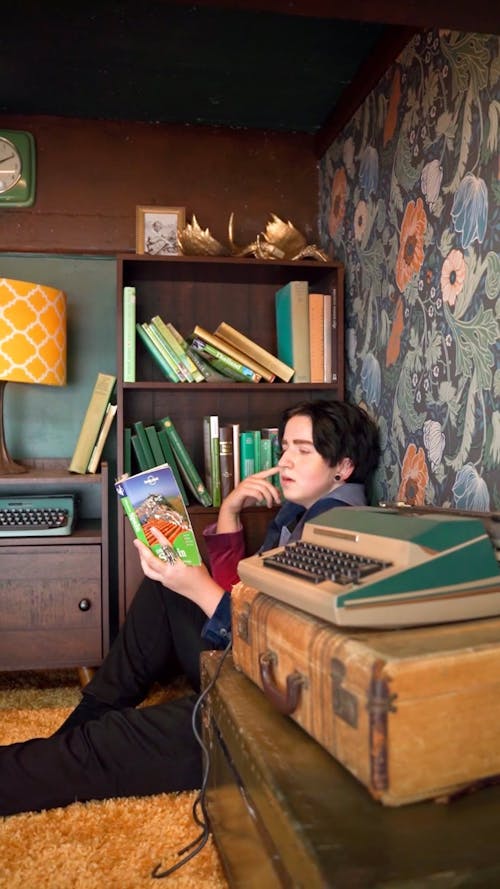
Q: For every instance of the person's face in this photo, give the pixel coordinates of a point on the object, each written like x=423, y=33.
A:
x=305, y=475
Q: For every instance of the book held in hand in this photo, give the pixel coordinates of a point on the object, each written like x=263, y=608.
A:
x=152, y=499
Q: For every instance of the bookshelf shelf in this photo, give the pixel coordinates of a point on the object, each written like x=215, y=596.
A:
x=191, y=290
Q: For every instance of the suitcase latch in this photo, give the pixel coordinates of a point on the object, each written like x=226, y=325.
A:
x=345, y=704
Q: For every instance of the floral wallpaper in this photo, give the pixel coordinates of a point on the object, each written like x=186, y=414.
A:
x=410, y=202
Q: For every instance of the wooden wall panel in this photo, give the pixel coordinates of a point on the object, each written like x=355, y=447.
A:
x=92, y=174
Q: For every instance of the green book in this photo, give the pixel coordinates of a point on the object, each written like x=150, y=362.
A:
x=247, y=454
x=129, y=296
x=168, y=455
x=164, y=350
x=140, y=431
x=193, y=367
x=173, y=344
x=223, y=363
x=211, y=455
x=292, y=328
x=127, y=450
x=207, y=370
x=154, y=444
x=156, y=354
x=186, y=465
x=141, y=461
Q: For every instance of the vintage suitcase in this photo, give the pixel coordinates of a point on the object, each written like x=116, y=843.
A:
x=284, y=813
x=412, y=713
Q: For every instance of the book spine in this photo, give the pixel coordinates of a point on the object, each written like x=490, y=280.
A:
x=140, y=459
x=140, y=431
x=174, y=347
x=129, y=311
x=328, y=335
x=207, y=370
x=266, y=359
x=272, y=433
x=162, y=347
x=247, y=454
x=211, y=457
x=236, y=453
x=101, y=438
x=156, y=354
x=316, y=337
x=172, y=462
x=334, y=374
x=127, y=450
x=193, y=367
x=185, y=463
x=266, y=453
x=234, y=353
x=226, y=460
x=292, y=328
x=92, y=421
x=154, y=444
x=223, y=362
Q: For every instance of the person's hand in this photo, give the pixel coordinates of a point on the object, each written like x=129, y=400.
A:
x=251, y=490
x=192, y=581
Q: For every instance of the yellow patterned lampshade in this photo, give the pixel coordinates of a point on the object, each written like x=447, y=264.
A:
x=32, y=343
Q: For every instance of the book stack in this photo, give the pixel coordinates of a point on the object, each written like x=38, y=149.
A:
x=95, y=427
x=306, y=331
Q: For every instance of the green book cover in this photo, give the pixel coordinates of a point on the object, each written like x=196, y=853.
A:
x=152, y=499
x=156, y=354
x=140, y=459
x=247, y=454
x=168, y=456
x=211, y=455
x=292, y=328
x=173, y=344
x=129, y=300
x=155, y=445
x=185, y=463
x=140, y=431
x=164, y=350
x=225, y=365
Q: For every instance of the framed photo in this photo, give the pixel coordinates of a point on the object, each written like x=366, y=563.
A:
x=157, y=228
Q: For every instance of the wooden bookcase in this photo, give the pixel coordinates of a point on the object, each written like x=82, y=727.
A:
x=54, y=597
x=207, y=290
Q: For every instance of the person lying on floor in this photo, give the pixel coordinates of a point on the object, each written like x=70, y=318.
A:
x=110, y=748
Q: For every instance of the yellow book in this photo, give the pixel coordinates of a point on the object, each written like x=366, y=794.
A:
x=316, y=337
x=92, y=421
x=101, y=438
x=253, y=350
x=218, y=343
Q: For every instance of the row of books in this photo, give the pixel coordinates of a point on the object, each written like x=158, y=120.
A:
x=306, y=343
x=229, y=455
x=95, y=427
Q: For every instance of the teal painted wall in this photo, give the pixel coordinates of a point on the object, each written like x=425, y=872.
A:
x=44, y=421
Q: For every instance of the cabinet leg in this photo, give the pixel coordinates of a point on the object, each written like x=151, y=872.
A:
x=85, y=675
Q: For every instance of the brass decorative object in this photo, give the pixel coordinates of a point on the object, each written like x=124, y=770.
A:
x=280, y=240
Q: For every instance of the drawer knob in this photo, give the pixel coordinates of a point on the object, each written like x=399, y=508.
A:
x=84, y=604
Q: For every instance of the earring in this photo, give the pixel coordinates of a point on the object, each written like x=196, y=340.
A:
x=337, y=477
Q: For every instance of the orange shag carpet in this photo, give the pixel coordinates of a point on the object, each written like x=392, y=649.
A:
x=112, y=843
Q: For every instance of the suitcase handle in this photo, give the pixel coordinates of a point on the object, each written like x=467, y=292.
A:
x=286, y=702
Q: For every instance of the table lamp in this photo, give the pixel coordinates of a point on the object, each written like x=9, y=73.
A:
x=32, y=344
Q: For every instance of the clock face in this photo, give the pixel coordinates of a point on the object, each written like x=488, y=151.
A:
x=10, y=165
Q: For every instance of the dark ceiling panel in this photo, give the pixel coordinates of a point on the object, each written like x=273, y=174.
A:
x=178, y=64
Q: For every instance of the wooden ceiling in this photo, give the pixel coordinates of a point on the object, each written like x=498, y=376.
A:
x=285, y=66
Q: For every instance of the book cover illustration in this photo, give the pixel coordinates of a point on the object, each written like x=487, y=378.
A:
x=152, y=499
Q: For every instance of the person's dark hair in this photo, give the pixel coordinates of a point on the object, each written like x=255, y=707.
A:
x=340, y=430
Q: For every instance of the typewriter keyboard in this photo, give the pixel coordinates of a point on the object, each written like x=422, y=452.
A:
x=318, y=563
x=36, y=516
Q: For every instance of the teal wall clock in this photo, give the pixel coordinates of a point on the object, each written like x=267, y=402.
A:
x=17, y=168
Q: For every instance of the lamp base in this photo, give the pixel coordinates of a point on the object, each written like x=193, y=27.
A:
x=8, y=466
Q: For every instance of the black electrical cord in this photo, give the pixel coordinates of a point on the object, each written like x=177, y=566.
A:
x=199, y=805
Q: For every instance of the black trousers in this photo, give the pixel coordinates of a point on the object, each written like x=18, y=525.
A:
x=120, y=750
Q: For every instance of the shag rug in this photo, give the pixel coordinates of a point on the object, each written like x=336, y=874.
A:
x=112, y=843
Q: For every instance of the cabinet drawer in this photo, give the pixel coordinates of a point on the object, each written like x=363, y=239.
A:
x=50, y=606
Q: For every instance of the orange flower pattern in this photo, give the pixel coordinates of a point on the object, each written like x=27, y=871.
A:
x=414, y=477
x=411, y=245
x=339, y=195
x=394, y=344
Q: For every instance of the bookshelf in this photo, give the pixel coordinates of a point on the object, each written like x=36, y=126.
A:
x=190, y=290
x=54, y=596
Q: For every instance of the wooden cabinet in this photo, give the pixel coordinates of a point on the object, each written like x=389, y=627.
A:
x=206, y=291
x=54, y=601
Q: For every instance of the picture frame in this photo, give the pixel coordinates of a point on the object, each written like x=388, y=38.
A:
x=157, y=229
